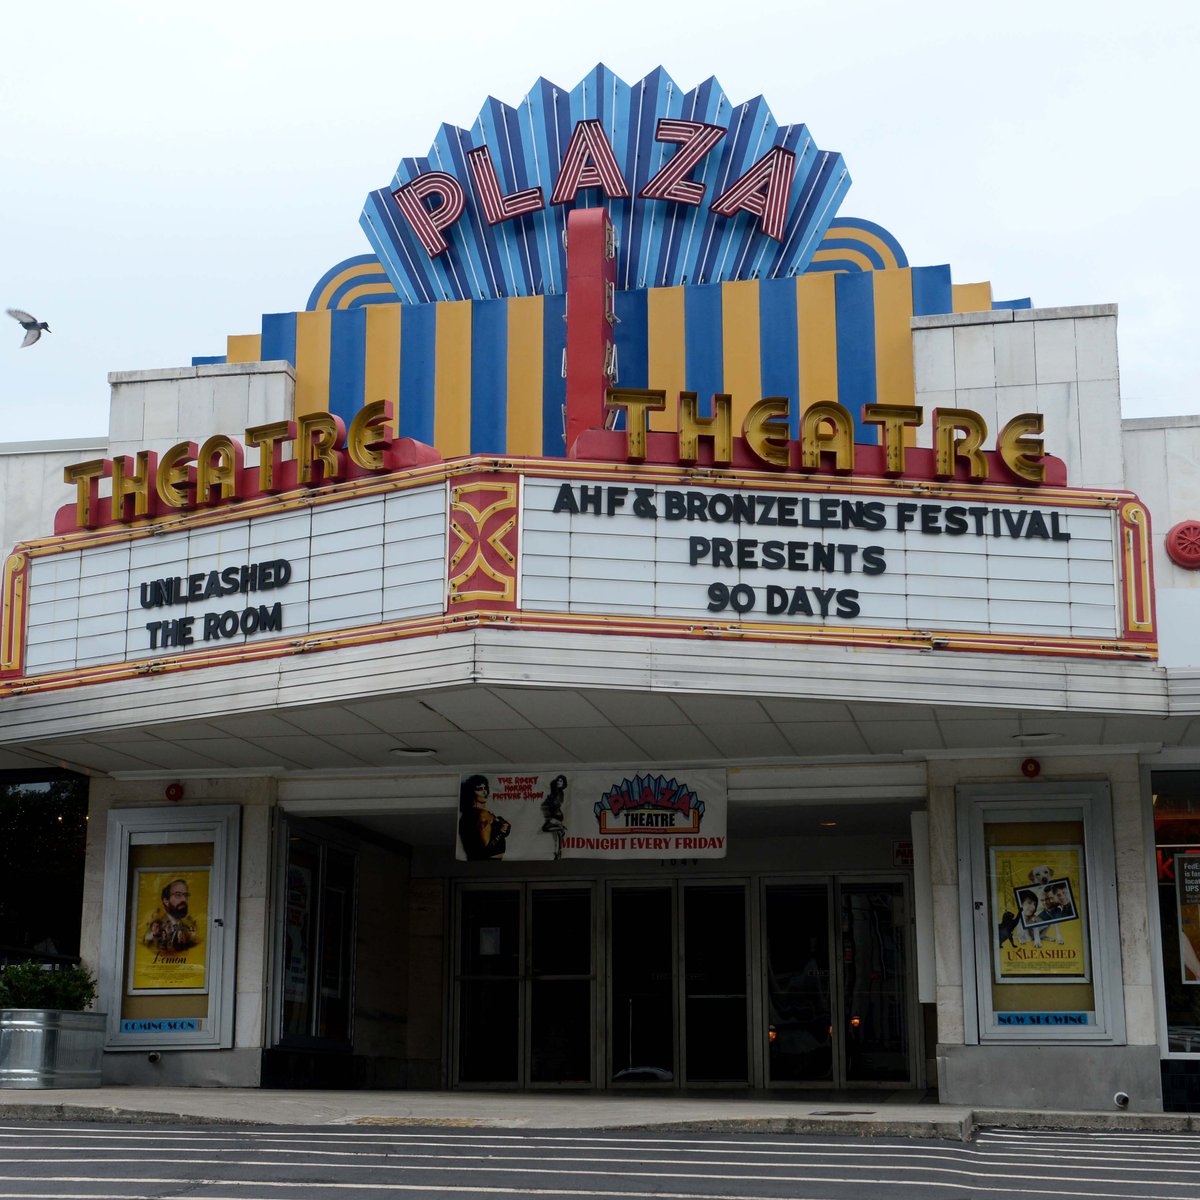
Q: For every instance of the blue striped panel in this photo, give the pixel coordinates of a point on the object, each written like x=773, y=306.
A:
x=207, y=360
x=633, y=340
x=1024, y=302
x=554, y=386
x=418, y=344
x=931, y=291
x=279, y=337
x=358, y=260
x=489, y=376
x=867, y=251
x=704, y=355
x=854, y=298
x=347, y=361
x=779, y=344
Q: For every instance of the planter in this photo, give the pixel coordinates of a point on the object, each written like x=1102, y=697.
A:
x=46, y=1048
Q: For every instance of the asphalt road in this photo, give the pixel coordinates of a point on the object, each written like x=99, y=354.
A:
x=84, y=1162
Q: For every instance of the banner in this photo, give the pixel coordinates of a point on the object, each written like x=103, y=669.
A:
x=169, y=951
x=1038, y=899
x=592, y=814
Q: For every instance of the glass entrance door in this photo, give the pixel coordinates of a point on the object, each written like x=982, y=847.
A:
x=679, y=994
x=837, y=992
x=525, y=981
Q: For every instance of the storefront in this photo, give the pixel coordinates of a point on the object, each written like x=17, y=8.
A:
x=610, y=640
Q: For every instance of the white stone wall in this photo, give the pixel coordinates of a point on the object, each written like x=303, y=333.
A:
x=32, y=488
x=152, y=410
x=1060, y=362
x=1162, y=464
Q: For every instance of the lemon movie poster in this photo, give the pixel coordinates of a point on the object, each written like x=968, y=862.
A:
x=1041, y=925
x=169, y=951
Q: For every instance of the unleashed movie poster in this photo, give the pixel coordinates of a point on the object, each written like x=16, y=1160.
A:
x=1041, y=926
x=169, y=952
x=592, y=814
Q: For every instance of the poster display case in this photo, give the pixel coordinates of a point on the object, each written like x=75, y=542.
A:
x=170, y=903
x=1039, y=919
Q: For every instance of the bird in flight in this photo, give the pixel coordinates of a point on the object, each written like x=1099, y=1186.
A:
x=32, y=326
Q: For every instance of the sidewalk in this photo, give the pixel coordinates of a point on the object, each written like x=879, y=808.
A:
x=859, y=1116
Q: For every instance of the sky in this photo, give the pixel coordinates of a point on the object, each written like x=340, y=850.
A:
x=170, y=172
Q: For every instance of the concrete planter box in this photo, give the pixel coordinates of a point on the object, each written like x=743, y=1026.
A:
x=45, y=1048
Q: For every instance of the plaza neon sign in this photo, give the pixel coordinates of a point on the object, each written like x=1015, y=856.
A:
x=434, y=201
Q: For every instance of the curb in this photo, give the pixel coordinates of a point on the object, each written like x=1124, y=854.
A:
x=959, y=1128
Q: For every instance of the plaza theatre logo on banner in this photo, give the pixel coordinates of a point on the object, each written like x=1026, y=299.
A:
x=591, y=814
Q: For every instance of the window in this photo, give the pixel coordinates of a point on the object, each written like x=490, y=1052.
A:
x=1176, y=799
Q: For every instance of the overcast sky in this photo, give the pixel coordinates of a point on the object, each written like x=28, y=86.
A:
x=170, y=172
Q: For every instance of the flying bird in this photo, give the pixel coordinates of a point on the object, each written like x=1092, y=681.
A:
x=32, y=326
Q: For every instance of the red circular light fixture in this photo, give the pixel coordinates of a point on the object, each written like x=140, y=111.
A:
x=1183, y=545
x=174, y=792
x=1031, y=768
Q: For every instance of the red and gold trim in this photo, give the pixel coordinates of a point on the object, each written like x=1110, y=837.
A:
x=483, y=557
x=1137, y=575
x=13, y=611
x=482, y=547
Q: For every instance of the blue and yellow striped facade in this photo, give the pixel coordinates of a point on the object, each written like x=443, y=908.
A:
x=486, y=377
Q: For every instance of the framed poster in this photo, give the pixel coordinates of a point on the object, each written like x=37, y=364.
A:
x=1041, y=925
x=168, y=938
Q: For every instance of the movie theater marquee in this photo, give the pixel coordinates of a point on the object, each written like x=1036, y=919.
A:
x=363, y=547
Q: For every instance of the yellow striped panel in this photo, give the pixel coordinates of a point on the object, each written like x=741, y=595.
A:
x=666, y=351
x=243, y=348
x=523, y=434
x=864, y=236
x=893, y=337
x=816, y=318
x=382, y=369
x=741, y=346
x=452, y=379
x=366, y=289
x=971, y=297
x=342, y=277
x=843, y=255
x=312, y=362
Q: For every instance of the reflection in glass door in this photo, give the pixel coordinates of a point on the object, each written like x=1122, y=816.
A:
x=799, y=1003
x=875, y=982
x=838, y=1009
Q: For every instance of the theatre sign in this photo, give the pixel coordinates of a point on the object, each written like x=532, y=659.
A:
x=339, y=538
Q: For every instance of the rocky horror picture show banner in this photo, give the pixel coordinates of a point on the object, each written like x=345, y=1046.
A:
x=592, y=814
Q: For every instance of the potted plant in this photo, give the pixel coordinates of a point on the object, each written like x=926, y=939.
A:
x=46, y=1038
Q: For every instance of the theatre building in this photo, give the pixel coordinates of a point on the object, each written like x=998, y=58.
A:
x=631, y=629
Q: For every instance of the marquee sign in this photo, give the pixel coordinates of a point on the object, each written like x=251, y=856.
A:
x=598, y=547
x=699, y=190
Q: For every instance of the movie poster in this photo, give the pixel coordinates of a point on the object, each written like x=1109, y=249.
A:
x=1038, y=903
x=168, y=938
x=1187, y=883
x=592, y=814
